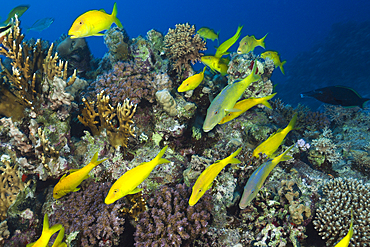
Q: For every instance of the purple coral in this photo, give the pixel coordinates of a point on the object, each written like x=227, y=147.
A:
x=85, y=211
x=170, y=221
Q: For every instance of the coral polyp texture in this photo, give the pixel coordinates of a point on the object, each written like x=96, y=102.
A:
x=183, y=46
x=170, y=221
x=333, y=219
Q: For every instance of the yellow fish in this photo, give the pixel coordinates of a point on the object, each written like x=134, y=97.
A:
x=222, y=49
x=216, y=64
x=274, y=56
x=192, y=82
x=272, y=143
x=69, y=183
x=205, y=179
x=46, y=233
x=128, y=183
x=345, y=241
x=207, y=33
x=19, y=11
x=59, y=239
x=245, y=105
x=93, y=22
x=248, y=43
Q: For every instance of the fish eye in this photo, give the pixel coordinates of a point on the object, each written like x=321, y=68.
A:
x=216, y=112
x=115, y=191
x=80, y=22
x=200, y=190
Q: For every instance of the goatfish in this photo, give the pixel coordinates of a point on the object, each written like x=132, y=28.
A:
x=345, y=241
x=93, y=22
x=207, y=33
x=128, y=183
x=216, y=64
x=226, y=99
x=46, y=233
x=192, y=82
x=205, y=179
x=19, y=11
x=272, y=143
x=275, y=57
x=245, y=105
x=248, y=43
x=258, y=177
x=41, y=24
x=69, y=183
x=222, y=49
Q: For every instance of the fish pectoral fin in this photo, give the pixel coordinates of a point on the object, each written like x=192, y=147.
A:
x=77, y=189
x=233, y=110
x=98, y=34
x=136, y=190
x=73, y=170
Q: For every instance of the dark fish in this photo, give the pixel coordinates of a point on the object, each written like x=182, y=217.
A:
x=19, y=11
x=337, y=95
x=41, y=24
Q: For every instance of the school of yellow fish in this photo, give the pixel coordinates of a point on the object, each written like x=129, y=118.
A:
x=223, y=109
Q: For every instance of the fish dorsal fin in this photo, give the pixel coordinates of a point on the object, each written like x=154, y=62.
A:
x=73, y=170
x=62, y=177
x=102, y=10
x=351, y=90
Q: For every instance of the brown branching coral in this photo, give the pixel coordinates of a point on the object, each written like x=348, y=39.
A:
x=182, y=46
x=107, y=117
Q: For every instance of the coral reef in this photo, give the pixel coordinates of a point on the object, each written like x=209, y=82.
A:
x=170, y=221
x=117, y=42
x=183, y=46
x=4, y=232
x=332, y=221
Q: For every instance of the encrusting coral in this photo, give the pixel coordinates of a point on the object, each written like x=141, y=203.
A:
x=182, y=46
x=332, y=221
x=109, y=117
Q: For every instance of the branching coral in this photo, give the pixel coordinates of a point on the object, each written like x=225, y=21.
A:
x=170, y=221
x=182, y=46
x=109, y=117
x=332, y=221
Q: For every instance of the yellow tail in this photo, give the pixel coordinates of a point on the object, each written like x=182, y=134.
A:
x=94, y=161
x=234, y=160
x=159, y=159
x=261, y=42
x=114, y=15
x=282, y=68
x=265, y=100
x=292, y=123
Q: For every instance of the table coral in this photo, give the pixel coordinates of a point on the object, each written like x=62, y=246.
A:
x=332, y=221
x=183, y=46
x=170, y=221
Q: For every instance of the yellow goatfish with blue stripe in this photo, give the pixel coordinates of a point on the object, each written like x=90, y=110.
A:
x=205, y=179
x=222, y=49
x=192, y=82
x=245, y=105
x=128, y=183
x=93, y=22
x=259, y=176
x=216, y=64
x=46, y=234
x=345, y=241
x=226, y=99
x=272, y=143
x=69, y=183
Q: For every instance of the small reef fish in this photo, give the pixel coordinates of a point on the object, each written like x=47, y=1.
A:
x=19, y=11
x=222, y=49
x=226, y=99
x=248, y=43
x=46, y=233
x=69, y=183
x=274, y=56
x=205, y=179
x=93, y=22
x=4, y=31
x=245, y=105
x=258, y=177
x=41, y=24
x=337, y=95
x=128, y=183
x=216, y=64
x=207, y=33
x=192, y=82
x=345, y=241
x=272, y=143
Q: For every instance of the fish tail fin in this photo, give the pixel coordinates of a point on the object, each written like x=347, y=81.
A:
x=239, y=31
x=232, y=158
x=265, y=101
x=350, y=232
x=262, y=42
x=114, y=15
x=59, y=239
x=49, y=231
x=255, y=77
x=159, y=158
x=292, y=123
x=365, y=100
x=282, y=68
x=94, y=161
x=284, y=156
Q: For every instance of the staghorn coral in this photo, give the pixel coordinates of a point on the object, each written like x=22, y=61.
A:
x=85, y=212
x=182, y=46
x=109, y=117
x=170, y=221
x=332, y=220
